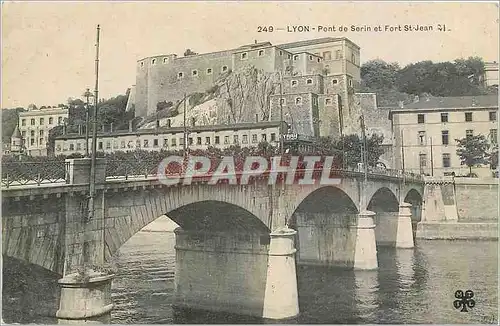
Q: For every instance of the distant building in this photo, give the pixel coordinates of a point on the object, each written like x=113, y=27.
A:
x=198, y=137
x=34, y=126
x=491, y=73
x=425, y=132
x=318, y=80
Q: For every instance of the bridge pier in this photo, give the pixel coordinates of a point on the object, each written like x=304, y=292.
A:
x=85, y=299
x=404, y=235
x=252, y=274
x=365, y=254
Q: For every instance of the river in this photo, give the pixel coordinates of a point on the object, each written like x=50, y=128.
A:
x=411, y=286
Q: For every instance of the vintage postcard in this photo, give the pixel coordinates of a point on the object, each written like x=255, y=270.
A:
x=205, y=162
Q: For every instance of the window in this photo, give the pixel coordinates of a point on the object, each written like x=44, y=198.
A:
x=51, y=120
x=165, y=60
x=42, y=121
x=289, y=56
x=282, y=101
x=209, y=71
x=180, y=75
x=261, y=53
x=254, y=138
x=350, y=82
x=468, y=116
x=327, y=55
x=226, y=139
x=244, y=56
x=338, y=55
x=32, y=122
x=294, y=83
x=235, y=139
x=32, y=142
x=173, y=142
x=59, y=120
x=41, y=133
x=24, y=134
x=138, y=143
x=494, y=136
x=142, y=64
x=445, y=137
x=146, y=143
x=444, y=117
x=280, y=53
x=328, y=101
x=153, y=61
x=108, y=144
x=310, y=58
x=295, y=57
x=314, y=100
x=115, y=144
x=493, y=116
x=309, y=81
x=353, y=58
x=422, y=158
x=155, y=142
x=181, y=141
x=446, y=160
x=264, y=137
x=58, y=148
x=421, y=118
x=165, y=142
x=217, y=140
x=298, y=100
x=122, y=144
x=319, y=60
x=190, y=141
x=41, y=141
x=23, y=122
x=273, y=136
x=100, y=145
x=224, y=68
x=71, y=147
x=335, y=81
x=194, y=72
x=32, y=133
x=198, y=140
x=421, y=137
x=207, y=140
x=469, y=133
x=245, y=139
x=78, y=146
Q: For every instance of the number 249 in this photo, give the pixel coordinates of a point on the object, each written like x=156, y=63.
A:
x=265, y=29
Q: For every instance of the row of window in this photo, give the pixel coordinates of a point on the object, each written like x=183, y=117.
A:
x=173, y=142
x=298, y=101
x=195, y=72
x=445, y=136
x=41, y=121
x=446, y=157
x=468, y=117
x=310, y=81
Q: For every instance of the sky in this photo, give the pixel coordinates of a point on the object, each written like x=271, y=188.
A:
x=48, y=48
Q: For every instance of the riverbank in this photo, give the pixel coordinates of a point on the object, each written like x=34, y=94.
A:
x=484, y=230
x=161, y=224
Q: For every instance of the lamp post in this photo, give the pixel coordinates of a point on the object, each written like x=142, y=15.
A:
x=87, y=95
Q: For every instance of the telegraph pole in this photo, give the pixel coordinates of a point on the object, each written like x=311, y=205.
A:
x=432, y=159
x=282, y=142
x=87, y=94
x=364, y=149
x=185, y=135
x=94, y=133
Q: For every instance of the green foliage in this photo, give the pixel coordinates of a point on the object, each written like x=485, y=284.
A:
x=473, y=150
x=195, y=99
x=163, y=105
x=188, y=52
x=10, y=118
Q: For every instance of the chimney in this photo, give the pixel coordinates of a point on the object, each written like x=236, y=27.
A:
x=256, y=117
x=168, y=123
x=111, y=127
x=401, y=104
x=130, y=125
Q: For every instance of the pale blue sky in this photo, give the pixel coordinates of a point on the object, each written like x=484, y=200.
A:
x=48, y=48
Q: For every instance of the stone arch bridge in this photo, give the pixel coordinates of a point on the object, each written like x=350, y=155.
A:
x=236, y=245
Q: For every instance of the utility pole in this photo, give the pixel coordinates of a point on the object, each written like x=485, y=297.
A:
x=403, y=155
x=282, y=142
x=432, y=159
x=364, y=149
x=185, y=145
x=92, y=191
x=87, y=94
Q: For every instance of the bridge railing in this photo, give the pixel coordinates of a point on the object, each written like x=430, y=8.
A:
x=33, y=173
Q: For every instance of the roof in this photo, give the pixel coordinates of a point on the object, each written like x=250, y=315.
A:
x=313, y=42
x=454, y=102
x=173, y=130
x=17, y=133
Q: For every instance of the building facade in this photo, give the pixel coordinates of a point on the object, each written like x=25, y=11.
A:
x=34, y=126
x=172, y=139
x=320, y=71
x=491, y=73
x=425, y=133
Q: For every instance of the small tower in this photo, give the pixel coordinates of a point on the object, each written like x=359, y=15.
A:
x=16, y=141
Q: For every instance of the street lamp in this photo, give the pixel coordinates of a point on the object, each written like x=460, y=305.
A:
x=87, y=95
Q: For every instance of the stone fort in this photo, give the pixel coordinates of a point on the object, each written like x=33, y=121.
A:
x=318, y=78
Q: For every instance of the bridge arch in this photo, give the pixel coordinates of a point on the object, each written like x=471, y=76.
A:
x=386, y=207
x=414, y=198
x=324, y=222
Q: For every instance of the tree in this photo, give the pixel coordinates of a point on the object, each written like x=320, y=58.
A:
x=473, y=150
x=163, y=105
x=379, y=75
